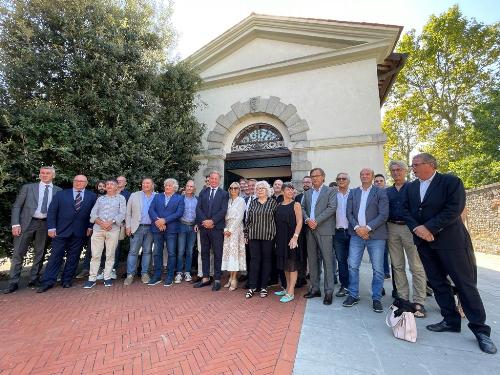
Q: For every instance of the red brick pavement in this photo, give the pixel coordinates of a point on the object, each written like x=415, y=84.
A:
x=147, y=330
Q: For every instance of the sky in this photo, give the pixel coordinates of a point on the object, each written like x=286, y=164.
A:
x=199, y=21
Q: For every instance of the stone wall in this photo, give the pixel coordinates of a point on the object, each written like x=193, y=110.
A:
x=482, y=217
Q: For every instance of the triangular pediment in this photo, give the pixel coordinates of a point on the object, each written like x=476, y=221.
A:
x=261, y=46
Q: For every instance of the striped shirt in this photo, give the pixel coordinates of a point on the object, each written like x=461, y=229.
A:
x=260, y=223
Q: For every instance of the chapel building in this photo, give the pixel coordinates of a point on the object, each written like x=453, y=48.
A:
x=281, y=95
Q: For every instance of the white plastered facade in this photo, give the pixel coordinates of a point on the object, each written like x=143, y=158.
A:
x=313, y=80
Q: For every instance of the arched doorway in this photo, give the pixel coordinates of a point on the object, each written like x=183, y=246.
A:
x=258, y=151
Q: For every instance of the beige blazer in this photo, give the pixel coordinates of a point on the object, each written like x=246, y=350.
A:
x=134, y=210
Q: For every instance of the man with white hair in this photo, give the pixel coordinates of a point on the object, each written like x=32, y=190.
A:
x=165, y=213
x=29, y=223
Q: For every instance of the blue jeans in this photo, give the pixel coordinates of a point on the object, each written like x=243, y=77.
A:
x=376, y=251
x=159, y=241
x=141, y=238
x=387, y=270
x=185, y=244
x=341, y=245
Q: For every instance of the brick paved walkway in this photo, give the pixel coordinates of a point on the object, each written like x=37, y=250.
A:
x=147, y=330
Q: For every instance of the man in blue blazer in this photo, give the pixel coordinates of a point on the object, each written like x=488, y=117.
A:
x=210, y=217
x=367, y=212
x=433, y=206
x=68, y=225
x=165, y=212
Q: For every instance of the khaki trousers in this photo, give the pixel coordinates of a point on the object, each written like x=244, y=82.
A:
x=400, y=242
x=98, y=240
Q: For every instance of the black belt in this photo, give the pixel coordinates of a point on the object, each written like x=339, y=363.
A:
x=397, y=222
x=36, y=218
x=144, y=225
x=187, y=222
x=341, y=229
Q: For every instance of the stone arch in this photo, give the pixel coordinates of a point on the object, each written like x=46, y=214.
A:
x=272, y=106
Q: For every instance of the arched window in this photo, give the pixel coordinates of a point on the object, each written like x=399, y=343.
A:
x=258, y=137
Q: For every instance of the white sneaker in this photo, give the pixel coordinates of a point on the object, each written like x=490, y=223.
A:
x=113, y=274
x=178, y=278
x=145, y=278
x=187, y=277
x=129, y=280
x=100, y=276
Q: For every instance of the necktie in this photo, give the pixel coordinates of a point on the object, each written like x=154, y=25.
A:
x=45, y=200
x=78, y=201
x=212, y=194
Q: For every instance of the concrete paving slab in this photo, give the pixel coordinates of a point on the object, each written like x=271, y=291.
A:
x=339, y=340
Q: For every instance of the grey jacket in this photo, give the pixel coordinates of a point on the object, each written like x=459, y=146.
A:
x=26, y=203
x=377, y=211
x=325, y=209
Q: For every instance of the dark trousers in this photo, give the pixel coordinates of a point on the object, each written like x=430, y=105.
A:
x=460, y=265
x=211, y=239
x=341, y=246
x=261, y=253
x=387, y=270
x=37, y=230
x=71, y=247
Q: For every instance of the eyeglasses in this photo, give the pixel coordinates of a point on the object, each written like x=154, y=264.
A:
x=397, y=169
x=341, y=178
x=417, y=164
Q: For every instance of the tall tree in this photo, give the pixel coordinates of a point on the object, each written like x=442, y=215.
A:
x=86, y=87
x=451, y=67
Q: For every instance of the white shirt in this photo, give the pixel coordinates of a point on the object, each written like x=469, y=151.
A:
x=362, y=206
x=41, y=190
x=341, y=215
x=424, y=185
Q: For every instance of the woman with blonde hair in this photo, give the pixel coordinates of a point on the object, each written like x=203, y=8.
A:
x=260, y=230
x=233, y=252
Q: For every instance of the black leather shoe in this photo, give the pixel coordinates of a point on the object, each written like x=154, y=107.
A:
x=201, y=284
x=312, y=294
x=11, y=289
x=67, y=285
x=216, y=286
x=33, y=284
x=328, y=299
x=485, y=343
x=44, y=288
x=443, y=327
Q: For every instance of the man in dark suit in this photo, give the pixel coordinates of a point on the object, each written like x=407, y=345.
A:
x=318, y=210
x=68, y=225
x=29, y=222
x=210, y=218
x=432, y=207
x=367, y=212
x=301, y=279
x=165, y=212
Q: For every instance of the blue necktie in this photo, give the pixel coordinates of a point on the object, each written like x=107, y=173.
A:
x=45, y=200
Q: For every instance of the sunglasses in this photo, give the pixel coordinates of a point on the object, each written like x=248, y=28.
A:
x=341, y=178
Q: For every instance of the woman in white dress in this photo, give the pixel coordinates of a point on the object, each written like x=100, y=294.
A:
x=233, y=254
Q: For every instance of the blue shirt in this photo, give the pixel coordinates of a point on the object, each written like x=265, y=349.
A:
x=167, y=198
x=396, y=203
x=75, y=192
x=189, y=215
x=314, y=199
x=126, y=194
x=146, y=202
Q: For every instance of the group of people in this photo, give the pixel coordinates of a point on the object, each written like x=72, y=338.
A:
x=257, y=233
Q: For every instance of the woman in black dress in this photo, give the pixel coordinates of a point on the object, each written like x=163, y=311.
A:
x=288, y=225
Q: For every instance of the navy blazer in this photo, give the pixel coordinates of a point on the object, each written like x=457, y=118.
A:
x=219, y=208
x=172, y=213
x=62, y=215
x=376, y=212
x=440, y=211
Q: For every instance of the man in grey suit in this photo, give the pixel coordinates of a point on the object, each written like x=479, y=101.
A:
x=29, y=221
x=319, y=205
x=367, y=213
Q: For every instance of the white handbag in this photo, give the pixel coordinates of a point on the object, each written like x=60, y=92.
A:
x=404, y=327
